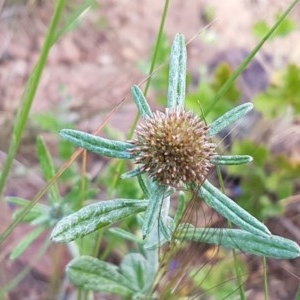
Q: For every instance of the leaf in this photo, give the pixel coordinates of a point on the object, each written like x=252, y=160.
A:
x=125, y=235
x=132, y=173
x=231, y=211
x=229, y=118
x=71, y=21
x=37, y=211
x=93, y=274
x=272, y=246
x=48, y=168
x=144, y=185
x=97, y=144
x=95, y=216
x=231, y=159
x=141, y=102
x=134, y=267
x=26, y=242
x=153, y=209
x=177, y=73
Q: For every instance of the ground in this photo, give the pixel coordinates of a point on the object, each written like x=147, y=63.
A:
x=92, y=68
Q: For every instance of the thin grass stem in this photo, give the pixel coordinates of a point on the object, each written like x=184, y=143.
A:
x=249, y=58
x=266, y=289
x=29, y=94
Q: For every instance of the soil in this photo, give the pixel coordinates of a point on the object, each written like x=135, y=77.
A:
x=90, y=71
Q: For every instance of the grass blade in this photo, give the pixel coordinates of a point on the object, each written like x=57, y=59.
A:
x=29, y=94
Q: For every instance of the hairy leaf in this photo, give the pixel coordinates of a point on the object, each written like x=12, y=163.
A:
x=95, y=216
x=177, y=73
x=273, y=246
x=141, y=102
x=231, y=211
x=97, y=144
x=229, y=118
x=93, y=274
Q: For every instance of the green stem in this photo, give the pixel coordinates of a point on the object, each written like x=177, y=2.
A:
x=29, y=94
x=266, y=290
x=157, y=45
x=153, y=61
x=249, y=58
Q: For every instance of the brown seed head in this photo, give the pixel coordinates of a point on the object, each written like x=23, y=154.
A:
x=173, y=148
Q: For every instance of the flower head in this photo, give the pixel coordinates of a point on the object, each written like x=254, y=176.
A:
x=173, y=147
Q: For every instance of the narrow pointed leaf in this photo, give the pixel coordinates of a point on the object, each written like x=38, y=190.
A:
x=93, y=274
x=126, y=235
x=48, y=168
x=141, y=102
x=231, y=211
x=132, y=173
x=134, y=267
x=156, y=237
x=97, y=144
x=144, y=185
x=26, y=242
x=273, y=246
x=229, y=118
x=72, y=20
x=177, y=73
x=153, y=209
x=36, y=212
x=231, y=159
x=95, y=216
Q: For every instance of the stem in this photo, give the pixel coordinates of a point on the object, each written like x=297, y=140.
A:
x=153, y=61
x=157, y=45
x=266, y=290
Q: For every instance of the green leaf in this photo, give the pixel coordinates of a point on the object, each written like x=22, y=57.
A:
x=134, y=267
x=273, y=246
x=231, y=211
x=231, y=159
x=26, y=242
x=28, y=97
x=229, y=118
x=144, y=185
x=97, y=144
x=177, y=73
x=153, y=209
x=36, y=212
x=141, y=102
x=126, y=235
x=48, y=168
x=95, y=216
x=132, y=173
x=71, y=21
x=93, y=274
